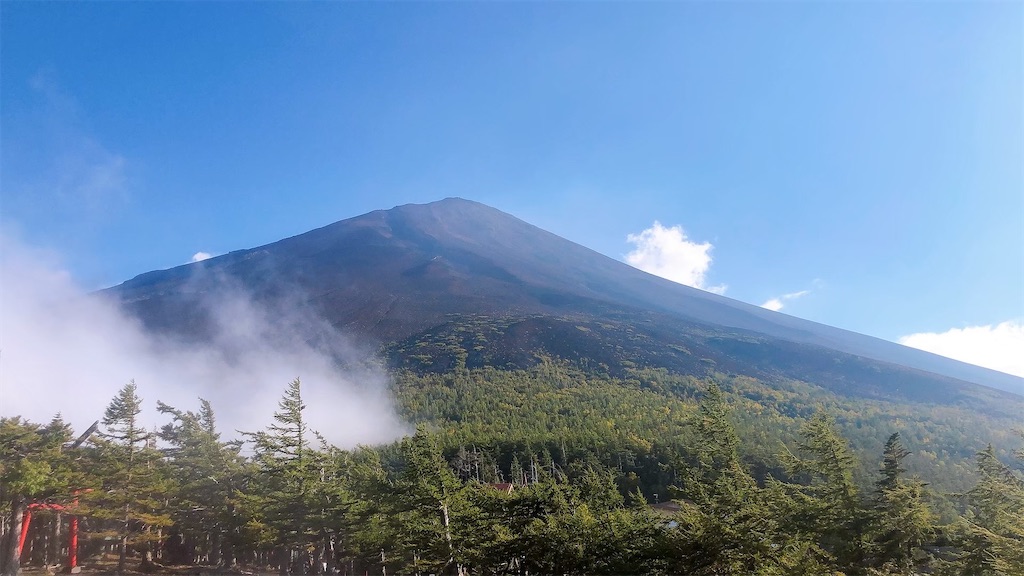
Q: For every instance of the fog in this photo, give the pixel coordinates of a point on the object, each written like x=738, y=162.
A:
x=65, y=350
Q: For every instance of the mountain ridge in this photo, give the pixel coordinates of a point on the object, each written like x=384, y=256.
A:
x=392, y=274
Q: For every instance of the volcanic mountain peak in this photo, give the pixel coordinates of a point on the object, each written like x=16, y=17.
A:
x=391, y=275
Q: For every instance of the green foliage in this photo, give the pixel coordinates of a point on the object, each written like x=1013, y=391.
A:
x=901, y=522
x=584, y=453
x=834, y=511
x=132, y=474
x=728, y=524
x=992, y=531
x=293, y=494
x=641, y=419
x=207, y=473
x=32, y=463
x=33, y=466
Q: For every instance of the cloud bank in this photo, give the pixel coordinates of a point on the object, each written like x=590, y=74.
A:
x=200, y=256
x=777, y=303
x=64, y=350
x=999, y=347
x=667, y=252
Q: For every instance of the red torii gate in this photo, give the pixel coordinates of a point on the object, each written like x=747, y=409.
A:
x=72, y=566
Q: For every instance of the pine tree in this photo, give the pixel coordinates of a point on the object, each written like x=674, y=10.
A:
x=717, y=449
x=835, y=513
x=287, y=504
x=727, y=525
x=431, y=506
x=134, y=485
x=994, y=524
x=32, y=466
x=515, y=472
x=901, y=521
x=207, y=473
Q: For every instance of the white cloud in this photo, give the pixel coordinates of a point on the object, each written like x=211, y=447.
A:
x=999, y=347
x=66, y=350
x=778, y=303
x=88, y=174
x=84, y=171
x=59, y=169
x=200, y=256
x=668, y=253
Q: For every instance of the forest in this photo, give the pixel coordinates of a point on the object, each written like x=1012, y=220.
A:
x=551, y=470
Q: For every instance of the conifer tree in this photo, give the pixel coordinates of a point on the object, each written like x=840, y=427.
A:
x=835, y=514
x=207, y=472
x=367, y=513
x=727, y=525
x=286, y=504
x=994, y=542
x=901, y=521
x=32, y=466
x=134, y=486
x=431, y=506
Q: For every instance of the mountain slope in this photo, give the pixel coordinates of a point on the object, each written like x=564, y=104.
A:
x=419, y=273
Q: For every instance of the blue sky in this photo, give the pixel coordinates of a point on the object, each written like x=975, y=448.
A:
x=865, y=159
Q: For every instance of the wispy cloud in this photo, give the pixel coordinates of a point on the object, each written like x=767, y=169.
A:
x=58, y=169
x=669, y=253
x=999, y=347
x=779, y=302
x=200, y=256
x=75, y=350
x=88, y=174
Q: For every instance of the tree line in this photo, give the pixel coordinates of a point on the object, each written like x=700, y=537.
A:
x=432, y=503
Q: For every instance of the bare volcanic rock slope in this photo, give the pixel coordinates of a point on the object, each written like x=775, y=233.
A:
x=456, y=281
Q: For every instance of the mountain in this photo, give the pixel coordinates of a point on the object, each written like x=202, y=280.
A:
x=457, y=282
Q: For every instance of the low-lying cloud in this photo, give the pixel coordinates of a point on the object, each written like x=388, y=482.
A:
x=667, y=252
x=779, y=302
x=64, y=350
x=999, y=347
x=200, y=256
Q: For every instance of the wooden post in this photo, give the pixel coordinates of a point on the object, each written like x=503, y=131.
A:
x=73, y=546
x=26, y=519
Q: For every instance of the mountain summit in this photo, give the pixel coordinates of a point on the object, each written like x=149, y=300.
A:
x=425, y=282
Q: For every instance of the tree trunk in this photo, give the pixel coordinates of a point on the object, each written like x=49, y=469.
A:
x=329, y=553
x=227, y=553
x=448, y=534
x=158, y=545
x=147, y=556
x=55, y=539
x=10, y=561
x=214, y=557
x=284, y=561
x=122, y=553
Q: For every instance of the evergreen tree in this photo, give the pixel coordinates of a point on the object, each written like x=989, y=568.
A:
x=32, y=466
x=717, y=449
x=994, y=524
x=134, y=485
x=207, y=472
x=370, y=502
x=515, y=472
x=901, y=521
x=834, y=511
x=726, y=524
x=285, y=505
x=431, y=506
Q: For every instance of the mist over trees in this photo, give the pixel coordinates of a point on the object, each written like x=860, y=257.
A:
x=456, y=500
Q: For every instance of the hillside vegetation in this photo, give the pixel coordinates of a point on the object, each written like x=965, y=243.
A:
x=548, y=470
